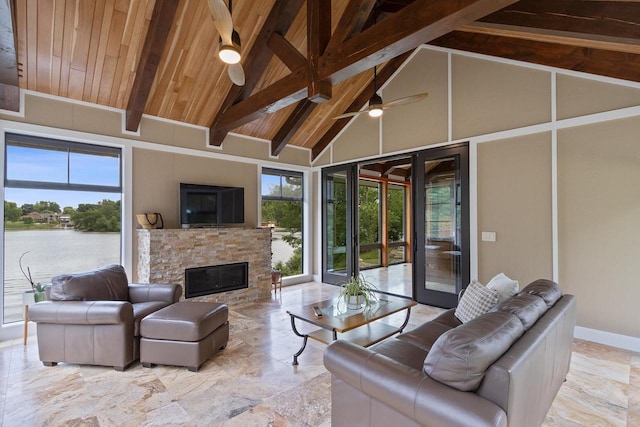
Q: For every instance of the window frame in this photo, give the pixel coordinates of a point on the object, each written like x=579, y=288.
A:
x=44, y=143
x=302, y=200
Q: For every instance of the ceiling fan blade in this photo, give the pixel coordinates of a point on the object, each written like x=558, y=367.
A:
x=222, y=19
x=347, y=115
x=406, y=100
x=236, y=74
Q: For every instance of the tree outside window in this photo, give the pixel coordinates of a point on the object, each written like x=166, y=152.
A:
x=282, y=201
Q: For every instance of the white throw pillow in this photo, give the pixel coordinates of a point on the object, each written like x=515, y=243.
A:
x=505, y=286
x=477, y=299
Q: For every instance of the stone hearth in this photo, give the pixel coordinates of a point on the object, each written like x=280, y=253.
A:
x=163, y=255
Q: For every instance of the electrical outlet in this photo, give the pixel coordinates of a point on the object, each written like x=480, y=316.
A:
x=488, y=236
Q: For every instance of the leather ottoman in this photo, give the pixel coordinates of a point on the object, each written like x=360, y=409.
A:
x=184, y=334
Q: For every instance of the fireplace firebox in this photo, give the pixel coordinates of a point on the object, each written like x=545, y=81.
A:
x=215, y=279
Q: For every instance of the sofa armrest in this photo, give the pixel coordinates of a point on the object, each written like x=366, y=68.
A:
x=408, y=391
x=167, y=292
x=82, y=312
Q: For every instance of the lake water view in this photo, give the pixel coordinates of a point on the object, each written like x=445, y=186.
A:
x=51, y=252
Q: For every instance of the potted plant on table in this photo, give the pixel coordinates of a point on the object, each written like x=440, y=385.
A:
x=37, y=289
x=357, y=291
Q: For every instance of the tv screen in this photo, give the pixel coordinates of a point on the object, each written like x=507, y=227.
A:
x=206, y=205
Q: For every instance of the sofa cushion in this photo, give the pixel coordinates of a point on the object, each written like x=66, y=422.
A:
x=505, y=286
x=424, y=335
x=402, y=352
x=448, y=318
x=477, y=299
x=549, y=291
x=103, y=284
x=461, y=356
x=527, y=308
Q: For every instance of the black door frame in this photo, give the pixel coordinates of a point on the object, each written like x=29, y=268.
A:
x=351, y=223
x=420, y=294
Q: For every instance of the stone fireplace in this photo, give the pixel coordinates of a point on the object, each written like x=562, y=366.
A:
x=164, y=256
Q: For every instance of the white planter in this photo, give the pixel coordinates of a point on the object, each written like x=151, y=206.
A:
x=355, y=302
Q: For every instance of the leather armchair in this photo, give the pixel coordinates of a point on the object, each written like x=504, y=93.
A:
x=94, y=317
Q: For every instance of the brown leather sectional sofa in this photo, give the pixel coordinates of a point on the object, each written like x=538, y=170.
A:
x=94, y=317
x=503, y=368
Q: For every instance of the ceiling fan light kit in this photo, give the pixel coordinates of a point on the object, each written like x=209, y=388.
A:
x=229, y=54
x=229, y=51
x=375, y=106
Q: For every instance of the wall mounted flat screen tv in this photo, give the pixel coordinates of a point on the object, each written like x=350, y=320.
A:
x=210, y=205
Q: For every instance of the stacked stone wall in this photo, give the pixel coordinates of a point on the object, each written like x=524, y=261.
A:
x=164, y=254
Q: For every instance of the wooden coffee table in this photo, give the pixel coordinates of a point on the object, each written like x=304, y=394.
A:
x=357, y=326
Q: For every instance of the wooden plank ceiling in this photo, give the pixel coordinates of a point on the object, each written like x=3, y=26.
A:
x=159, y=57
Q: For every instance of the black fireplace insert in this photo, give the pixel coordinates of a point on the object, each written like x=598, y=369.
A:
x=216, y=278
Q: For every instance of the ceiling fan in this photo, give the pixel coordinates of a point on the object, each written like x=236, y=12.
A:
x=229, y=51
x=376, y=106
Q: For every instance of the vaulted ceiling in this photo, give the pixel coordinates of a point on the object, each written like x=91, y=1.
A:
x=305, y=61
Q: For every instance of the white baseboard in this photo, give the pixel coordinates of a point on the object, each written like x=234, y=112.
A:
x=607, y=338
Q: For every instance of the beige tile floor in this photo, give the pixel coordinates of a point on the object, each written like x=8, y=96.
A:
x=252, y=382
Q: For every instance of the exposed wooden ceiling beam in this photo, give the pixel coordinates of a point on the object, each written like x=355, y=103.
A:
x=293, y=123
x=418, y=23
x=9, y=85
x=286, y=52
x=357, y=104
x=604, y=18
x=617, y=44
x=352, y=21
x=601, y=62
x=393, y=164
x=279, y=20
x=318, y=35
x=159, y=26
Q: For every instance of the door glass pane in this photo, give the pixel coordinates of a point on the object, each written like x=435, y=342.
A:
x=442, y=225
x=336, y=223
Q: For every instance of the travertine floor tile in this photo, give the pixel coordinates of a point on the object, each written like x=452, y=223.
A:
x=252, y=381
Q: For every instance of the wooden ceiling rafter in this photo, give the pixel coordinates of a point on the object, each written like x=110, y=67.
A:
x=161, y=20
x=9, y=81
x=286, y=52
x=318, y=35
x=619, y=65
x=357, y=104
x=416, y=24
x=279, y=20
x=589, y=18
x=353, y=20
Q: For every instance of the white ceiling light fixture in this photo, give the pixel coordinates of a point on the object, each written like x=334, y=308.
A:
x=229, y=51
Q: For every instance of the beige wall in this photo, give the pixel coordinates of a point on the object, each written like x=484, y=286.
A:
x=599, y=223
x=157, y=176
x=514, y=200
x=55, y=112
x=598, y=174
x=490, y=96
x=424, y=122
x=578, y=96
